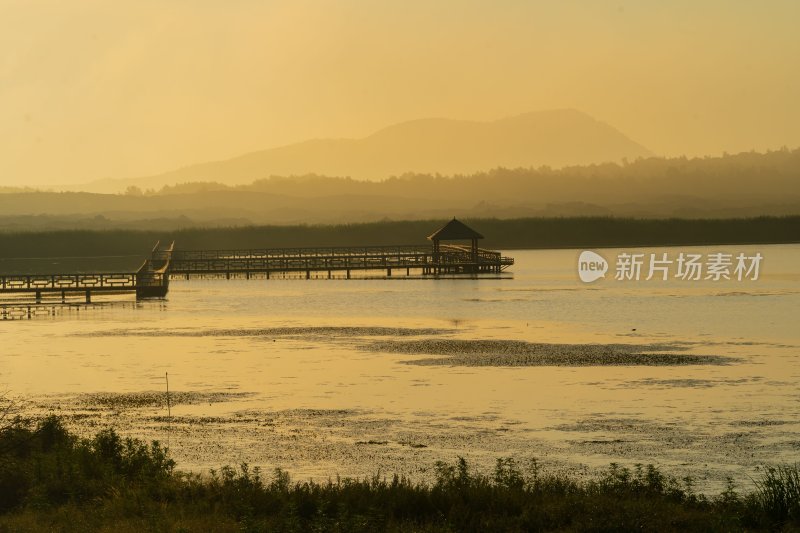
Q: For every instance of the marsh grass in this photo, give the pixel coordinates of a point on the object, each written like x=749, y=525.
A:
x=51, y=480
x=778, y=493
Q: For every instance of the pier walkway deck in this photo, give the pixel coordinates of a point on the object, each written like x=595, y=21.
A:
x=151, y=280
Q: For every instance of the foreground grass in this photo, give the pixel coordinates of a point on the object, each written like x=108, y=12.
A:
x=51, y=480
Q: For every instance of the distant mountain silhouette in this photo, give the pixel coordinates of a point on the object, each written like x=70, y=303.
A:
x=435, y=145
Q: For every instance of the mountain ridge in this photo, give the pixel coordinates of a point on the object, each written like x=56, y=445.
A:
x=552, y=138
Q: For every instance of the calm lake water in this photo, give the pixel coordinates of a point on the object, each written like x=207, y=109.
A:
x=312, y=376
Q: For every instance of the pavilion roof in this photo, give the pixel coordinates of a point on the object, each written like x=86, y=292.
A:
x=455, y=230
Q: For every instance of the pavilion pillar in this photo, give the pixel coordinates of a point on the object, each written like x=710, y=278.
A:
x=475, y=254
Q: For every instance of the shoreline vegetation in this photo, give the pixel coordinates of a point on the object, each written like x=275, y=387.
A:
x=504, y=234
x=52, y=480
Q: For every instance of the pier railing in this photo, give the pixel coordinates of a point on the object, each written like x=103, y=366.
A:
x=330, y=251
x=61, y=282
x=299, y=259
x=331, y=258
x=462, y=252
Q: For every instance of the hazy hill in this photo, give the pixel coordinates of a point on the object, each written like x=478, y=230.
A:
x=554, y=138
x=742, y=185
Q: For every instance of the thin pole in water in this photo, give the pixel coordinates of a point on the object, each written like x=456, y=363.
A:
x=169, y=409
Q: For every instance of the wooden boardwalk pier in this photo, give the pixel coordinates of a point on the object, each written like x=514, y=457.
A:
x=151, y=280
x=420, y=260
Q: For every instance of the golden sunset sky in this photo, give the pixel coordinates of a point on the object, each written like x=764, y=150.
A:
x=93, y=89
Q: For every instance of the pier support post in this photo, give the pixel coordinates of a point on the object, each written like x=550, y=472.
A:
x=88, y=296
x=38, y=297
x=329, y=274
x=348, y=273
x=308, y=274
x=63, y=297
x=389, y=272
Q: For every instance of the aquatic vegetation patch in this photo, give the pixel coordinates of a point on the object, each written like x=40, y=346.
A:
x=290, y=331
x=762, y=423
x=157, y=399
x=690, y=382
x=521, y=353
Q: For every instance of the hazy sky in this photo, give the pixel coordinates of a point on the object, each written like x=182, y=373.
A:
x=135, y=87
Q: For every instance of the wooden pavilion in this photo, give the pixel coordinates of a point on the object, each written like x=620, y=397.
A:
x=455, y=230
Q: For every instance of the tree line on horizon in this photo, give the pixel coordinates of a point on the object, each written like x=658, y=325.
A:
x=779, y=167
x=19, y=250
x=730, y=186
